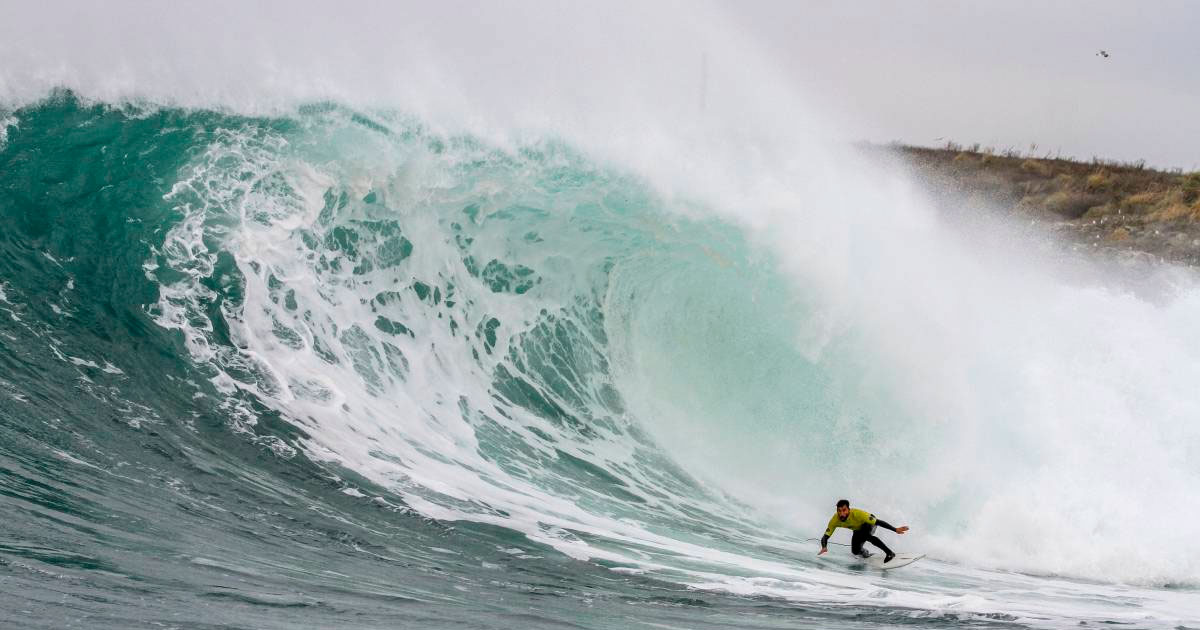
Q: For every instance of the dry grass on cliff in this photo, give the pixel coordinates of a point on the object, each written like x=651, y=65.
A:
x=1109, y=202
x=1066, y=188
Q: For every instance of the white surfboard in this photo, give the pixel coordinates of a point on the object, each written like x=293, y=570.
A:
x=901, y=559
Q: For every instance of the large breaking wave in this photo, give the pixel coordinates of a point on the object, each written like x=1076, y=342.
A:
x=663, y=348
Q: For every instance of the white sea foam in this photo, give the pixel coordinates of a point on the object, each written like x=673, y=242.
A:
x=6, y=122
x=82, y=362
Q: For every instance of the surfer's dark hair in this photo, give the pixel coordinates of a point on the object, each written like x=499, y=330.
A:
x=844, y=503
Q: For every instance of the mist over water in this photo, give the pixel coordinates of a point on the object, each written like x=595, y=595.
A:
x=594, y=277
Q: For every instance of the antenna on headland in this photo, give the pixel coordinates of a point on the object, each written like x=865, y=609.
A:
x=703, y=81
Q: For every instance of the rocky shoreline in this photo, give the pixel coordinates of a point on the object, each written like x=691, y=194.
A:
x=1128, y=209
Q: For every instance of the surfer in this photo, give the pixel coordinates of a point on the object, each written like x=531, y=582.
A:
x=863, y=524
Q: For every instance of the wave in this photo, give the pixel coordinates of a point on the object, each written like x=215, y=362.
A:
x=667, y=354
x=508, y=336
x=533, y=338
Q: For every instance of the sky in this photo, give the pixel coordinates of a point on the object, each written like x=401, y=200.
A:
x=1004, y=74
x=1008, y=75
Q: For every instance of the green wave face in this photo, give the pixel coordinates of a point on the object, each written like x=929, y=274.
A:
x=445, y=321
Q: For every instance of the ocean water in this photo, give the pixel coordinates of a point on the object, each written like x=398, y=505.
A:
x=318, y=349
x=336, y=369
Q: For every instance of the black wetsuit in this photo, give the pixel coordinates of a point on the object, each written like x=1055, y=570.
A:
x=866, y=533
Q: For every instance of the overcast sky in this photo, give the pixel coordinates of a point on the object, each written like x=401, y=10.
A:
x=1003, y=74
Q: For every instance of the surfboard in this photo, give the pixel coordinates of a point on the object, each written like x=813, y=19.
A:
x=901, y=559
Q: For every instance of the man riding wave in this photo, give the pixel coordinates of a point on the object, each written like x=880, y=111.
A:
x=863, y=524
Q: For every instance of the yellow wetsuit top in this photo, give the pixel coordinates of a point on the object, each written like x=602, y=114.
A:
x=856, y=519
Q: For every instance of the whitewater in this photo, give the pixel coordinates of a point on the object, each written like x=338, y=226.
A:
x=400, y=318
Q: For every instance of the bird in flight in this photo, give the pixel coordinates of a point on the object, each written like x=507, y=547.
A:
x=1102, y=53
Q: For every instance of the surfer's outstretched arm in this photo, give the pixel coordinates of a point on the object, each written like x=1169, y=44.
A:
x=884, y=524
x=828, y=532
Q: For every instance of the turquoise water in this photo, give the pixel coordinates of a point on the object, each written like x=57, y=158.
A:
x=334, y=368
